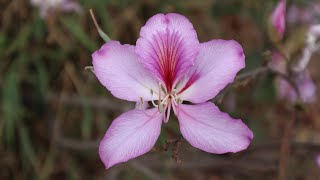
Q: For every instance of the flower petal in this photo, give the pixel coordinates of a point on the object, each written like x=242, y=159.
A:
x=167, y=47
x=130, y=135
x=118, y=69
x=305, y=85
x=205, y=127
x=218, y=63
x=278, y=17
x=318, y=160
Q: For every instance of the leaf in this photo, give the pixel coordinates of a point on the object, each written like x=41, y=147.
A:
x=11, y=102
x=42, y=77
x=27, y=149
x=21, y=39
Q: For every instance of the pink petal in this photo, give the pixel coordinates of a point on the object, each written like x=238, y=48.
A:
x=278, y=63
x=218, y=63
x=118, y=69
x=318, y=160
x=209, y=129
x=278, y=17
x=167, y=47
x=70, y=6
x=315, y=31
x=130, y=135
x=305, y=85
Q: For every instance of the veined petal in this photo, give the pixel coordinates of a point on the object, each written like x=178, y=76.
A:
x=118, y=69
x=130, y=135
x=218, y=63
x=205, y=127
x=167, y=46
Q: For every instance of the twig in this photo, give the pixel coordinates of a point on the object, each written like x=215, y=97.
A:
x=240, y=79
x=285, y=147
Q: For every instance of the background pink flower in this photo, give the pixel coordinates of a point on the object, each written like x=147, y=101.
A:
x=49, y=6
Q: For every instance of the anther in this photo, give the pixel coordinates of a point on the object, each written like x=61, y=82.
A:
x=153, y=103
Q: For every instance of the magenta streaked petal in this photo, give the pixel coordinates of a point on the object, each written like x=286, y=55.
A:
x=218, y=63
x=132, y=134
x=205, y=127
x=168, y=46
x=118, y=69
x=278, y=17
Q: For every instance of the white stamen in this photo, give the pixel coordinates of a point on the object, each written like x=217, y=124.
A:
x=153, y=103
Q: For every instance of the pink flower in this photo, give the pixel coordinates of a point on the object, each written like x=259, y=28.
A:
x=305, y=85
x=278, y=18
x=49, y=6
x=168, y=66
x=305, y=14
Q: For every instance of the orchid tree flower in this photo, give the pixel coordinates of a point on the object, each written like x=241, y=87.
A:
x=305, y=85
x=304, y=15
x=49, y=6
x=170, y=68
x=278, y=20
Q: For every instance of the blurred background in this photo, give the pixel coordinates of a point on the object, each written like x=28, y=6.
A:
x=54, y=112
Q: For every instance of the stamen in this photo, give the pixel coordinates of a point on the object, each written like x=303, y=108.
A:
x=168, y=113
x=159, y=98
x=165, y=99
x=141, y=99
x=153, y=103
x=89, y=68
x=174, y=100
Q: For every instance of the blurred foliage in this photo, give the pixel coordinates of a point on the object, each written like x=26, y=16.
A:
x=53, y=112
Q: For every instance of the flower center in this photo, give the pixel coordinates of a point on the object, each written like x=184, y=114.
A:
x=164, y=104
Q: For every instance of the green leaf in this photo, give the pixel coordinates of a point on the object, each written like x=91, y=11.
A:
x=27, y=149
x=21, y=39
x=42, y=77
x=12, y=108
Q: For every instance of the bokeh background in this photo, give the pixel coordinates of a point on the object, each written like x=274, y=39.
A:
x=54, y=112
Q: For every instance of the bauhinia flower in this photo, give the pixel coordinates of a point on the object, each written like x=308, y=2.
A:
x=49, y=6
x=305, y=85
x=278, y=23
x=301, y=80
x=170, y=68
x=308, y=14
